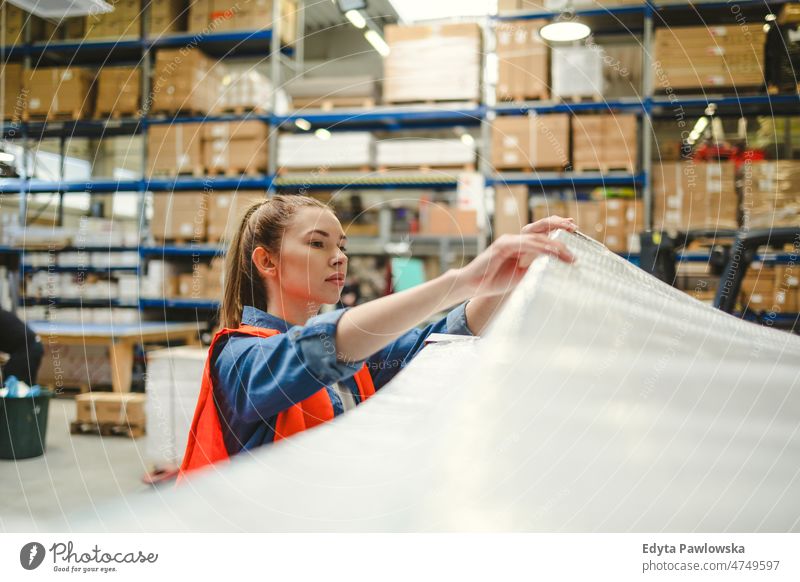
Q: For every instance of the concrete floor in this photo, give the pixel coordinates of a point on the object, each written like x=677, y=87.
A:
x=76, y=473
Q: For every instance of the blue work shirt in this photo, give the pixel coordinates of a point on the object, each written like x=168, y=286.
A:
x=256, y=378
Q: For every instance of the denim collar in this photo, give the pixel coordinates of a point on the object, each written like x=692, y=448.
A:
x=254, y=316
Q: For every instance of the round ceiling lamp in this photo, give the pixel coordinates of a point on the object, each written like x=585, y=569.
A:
x=564, y=31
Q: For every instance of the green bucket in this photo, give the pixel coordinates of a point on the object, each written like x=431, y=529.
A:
x=23, y=426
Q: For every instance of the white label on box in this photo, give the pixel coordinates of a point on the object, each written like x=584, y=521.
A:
x=793, y=281
x=510, y=157
x=716, y=51
x=186, y=229
x=67, y=75
x=510, y=207
x=612, y=221
x=35, y=103
x=223, y=201
x=780, y=297
x=718, y=30
x=510, y=141
x=716, y=80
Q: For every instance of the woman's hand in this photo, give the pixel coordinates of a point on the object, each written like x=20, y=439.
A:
x=500, y=267
x=549, y=224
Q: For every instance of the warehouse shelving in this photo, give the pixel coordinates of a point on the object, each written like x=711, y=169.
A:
x=567, y=179
x=387, y=118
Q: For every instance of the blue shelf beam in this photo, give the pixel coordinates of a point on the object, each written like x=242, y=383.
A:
x=208, y=182
x=521, y=108
x=200, y=304
x=387, y=119
x=181, y=251
x=78, y=269
x=76, y=302
x=555, y=180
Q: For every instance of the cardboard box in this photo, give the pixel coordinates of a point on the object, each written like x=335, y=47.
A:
x=770, y=193
x=167, y=17
x=523, y=61
x=119, y=91
x=451, y=54
x=14, y=102
x=443, y=220
x=123, y=409
x=60, y=91
x=577, y=71
x=542, y=207
x=185, y=80
x=235, y=147
x=226, y=211
x=123, y=22
x=758, y=288
x=613, y=222
x=530, y=141
x=510, y=209
x=694, y=195
x=15, y=20
x=229, y=15
x=605, y=142
x=175, y=149
x=180, y=216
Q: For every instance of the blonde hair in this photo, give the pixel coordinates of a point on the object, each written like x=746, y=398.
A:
x=263, y=225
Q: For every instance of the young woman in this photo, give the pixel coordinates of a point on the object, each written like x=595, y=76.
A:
x=277, y=367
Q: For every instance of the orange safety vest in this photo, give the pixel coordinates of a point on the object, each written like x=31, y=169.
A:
x=206, y=446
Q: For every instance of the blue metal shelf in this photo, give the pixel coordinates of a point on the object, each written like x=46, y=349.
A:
x=75, y=46
x=387, y=118
x=38, y=186
x=78, y=269
x=613, y=10
x=202, y=304
x=522, y=108
x=226, y=117
x=76, y=302
x=373, y=180
x=550, y=179
x=182, y=251
x=727, y=104
x=216, y=182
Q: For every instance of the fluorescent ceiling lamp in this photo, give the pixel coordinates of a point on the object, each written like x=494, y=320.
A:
x=323, y=134
x=303, y=124
x=377, y=42
x=467, y=139
x=564, y=31
x=355, y=18
x=58, y=9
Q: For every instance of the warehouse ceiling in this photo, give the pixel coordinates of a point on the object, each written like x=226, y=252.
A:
x=321, y=14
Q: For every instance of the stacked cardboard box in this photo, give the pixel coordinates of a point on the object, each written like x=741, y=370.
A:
x=770, y=193
x=544, y=206
x=185, y=80
x=167, y=17
x=60, y=91
x=328, y=92
x=121, y=409
x=758, y=287
x=523, y=61
x=14, y=101
x=180, y=216
x=175, y=148
x=530, y=141
x=119, y=158
x=622, y=70
x=445, y=220
x=613, y=222
x=123, y=22
x=118, y=91
x=226, y=212
x=690, y=195
x=577, y=71
x=709, y=56
x=451, y=54
x=244, y=89
x=351, y=149
x=401, y=153
x=15, y=21
x=228, y=15
x=605, y=142
x=235, y=147
x=787, y=288
x=510, y=209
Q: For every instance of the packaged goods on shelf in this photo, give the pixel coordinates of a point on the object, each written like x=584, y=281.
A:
x=341, y=150
x=585, y=4
x=14, y=21
x=510, y=209
x=118, y=91
x=119, y=158
x=424, y=152
x=75, y=365
x=771, y=133
x=14, y=101
x=128, y=286
x=770, y=193
x=709, y=56
x=758, y=287
x=105, y=232
x=174, y=376
x=523, y=61
x=432, y=63
x=605, y=142
x=175, y=148
x=613, y=222
x=229, y=15
x=59, y=91
x=783, y=57
x=530, y=141
x=160, y=279
x=123, y=22
x=33, y=236
x=106, y=259
x=622, y=70
x=185, y=80
x=693, y=195
x=73, y=28
x=339, y=91
x=235, y=147
x=442, y=219
x=226, y=210
x=244, y=89
x=126, y=408
x=577, y=71
x=787, y=288
x=203, y=282
x=167, y=17
x=697, y=280
x=179, y=216
x=544, y=206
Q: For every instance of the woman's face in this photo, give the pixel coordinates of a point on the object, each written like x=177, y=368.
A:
x=312, y=264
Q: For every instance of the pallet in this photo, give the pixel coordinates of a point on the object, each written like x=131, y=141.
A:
x=331, y=103
x=196, y=172
x=432, y=102
x=595, y=98
x=236, y=172
x=241, y=110
x=53, y=116
x=534, y=169
x=775, y=90
x=116, y=115
x=325, y=170
x=426, y=168
x=523, y=98
x=604, y=168
x=107, y=429
x=171, y=114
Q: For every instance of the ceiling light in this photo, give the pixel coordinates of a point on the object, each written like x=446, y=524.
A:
x=6, y=157
x=467, y=139
x=303, y=124
x=355, y=18
x=770, y=17
x=377, y=42
x=323, y=134
x=564, y=31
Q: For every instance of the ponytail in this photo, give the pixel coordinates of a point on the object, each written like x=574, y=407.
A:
x=262, y=225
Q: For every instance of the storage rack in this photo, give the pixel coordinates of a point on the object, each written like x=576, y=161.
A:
x=650, y=106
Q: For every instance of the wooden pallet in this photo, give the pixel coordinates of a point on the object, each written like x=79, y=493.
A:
x=116, y=115
x=171, y=114
x=330, y=103
x=595, y=98
x=426, y=168
x=51, y=116
x=533, y=169
x=324, y=170
x=107, y=429
x=433, y=102
x=196, y=172
x=236, y=171
x=581, y=167
x=241, y=110
x=523, y=98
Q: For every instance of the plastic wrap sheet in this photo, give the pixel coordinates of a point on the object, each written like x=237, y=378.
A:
x=600, y=400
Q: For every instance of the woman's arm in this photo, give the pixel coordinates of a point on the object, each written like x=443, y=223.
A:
x=367, y=328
